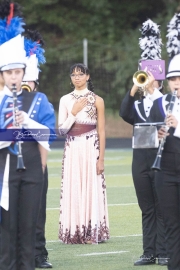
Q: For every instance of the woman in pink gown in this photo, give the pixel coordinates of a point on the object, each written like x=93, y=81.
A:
x=83, y=201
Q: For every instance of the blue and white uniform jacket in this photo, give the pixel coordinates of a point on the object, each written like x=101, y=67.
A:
x=38, y=114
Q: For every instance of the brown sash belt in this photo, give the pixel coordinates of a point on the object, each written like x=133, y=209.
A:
x=78, y=129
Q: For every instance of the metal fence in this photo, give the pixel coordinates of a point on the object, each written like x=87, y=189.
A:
x=106, y=69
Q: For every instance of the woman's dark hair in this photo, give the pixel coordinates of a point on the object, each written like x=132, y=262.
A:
x=81, y=67
x=161, y=86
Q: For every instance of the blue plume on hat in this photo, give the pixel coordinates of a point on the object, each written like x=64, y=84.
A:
x=33, y=44
x=10, y=31
x=34, y=47
x=11, y=23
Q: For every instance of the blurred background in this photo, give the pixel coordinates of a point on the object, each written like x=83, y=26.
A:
x=104, y=34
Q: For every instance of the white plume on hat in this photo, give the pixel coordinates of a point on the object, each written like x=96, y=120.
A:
x=32, y=70
x=150, y=43
x=173, y=46
x=33, y=44
x=12, y=54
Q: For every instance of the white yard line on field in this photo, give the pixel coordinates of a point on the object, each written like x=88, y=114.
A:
x=54, y=189
x=108, y=187
x=114, y=175
x=113, y=158
x=120, y=204
x=106, y=158
x=54, y=160
x=107, y=175
x=103, y=253
x=117, y=164
x=124, y=236
x=120, y=187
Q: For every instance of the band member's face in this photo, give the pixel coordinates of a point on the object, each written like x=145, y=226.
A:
x=13, y=76
x=156, y=84
x=174, y=83
x=79, y=79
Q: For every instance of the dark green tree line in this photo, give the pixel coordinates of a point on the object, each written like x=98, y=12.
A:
x=112, y=29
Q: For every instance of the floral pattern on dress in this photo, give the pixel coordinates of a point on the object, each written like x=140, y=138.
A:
x=87, y=235
x=90, y=107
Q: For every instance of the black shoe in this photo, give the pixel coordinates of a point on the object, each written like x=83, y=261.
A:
x=162, y=261
x=41, y=262
x=145, y=260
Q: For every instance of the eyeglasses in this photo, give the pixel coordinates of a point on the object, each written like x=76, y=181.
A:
x=73, y=76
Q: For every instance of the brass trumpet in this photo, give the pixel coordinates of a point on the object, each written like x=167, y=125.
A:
x=140, y=78
x=26, y=87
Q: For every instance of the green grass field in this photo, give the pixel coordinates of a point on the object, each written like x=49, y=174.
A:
x=125, y=244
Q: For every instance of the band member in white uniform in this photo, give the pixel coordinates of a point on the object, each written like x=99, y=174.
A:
x=137, y=111
x=167, y=180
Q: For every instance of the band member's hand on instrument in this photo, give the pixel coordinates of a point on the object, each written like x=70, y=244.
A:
x=151, y=79
x=162, y=133
x=100, y=166
x=171, y=121
x=79, y=105
x=133, y=91
x=19, y=117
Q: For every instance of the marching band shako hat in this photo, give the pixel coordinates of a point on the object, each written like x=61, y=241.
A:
x=173, y=46
x=32, y=70
x=34, y=55
x=12, y=53
x=174, y=67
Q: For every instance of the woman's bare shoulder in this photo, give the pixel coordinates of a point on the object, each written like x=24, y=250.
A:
x=99, y=101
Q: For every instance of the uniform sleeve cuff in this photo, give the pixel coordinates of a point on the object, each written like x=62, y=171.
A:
x=177, y=131
x=156, y=94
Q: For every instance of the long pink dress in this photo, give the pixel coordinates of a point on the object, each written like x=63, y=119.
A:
x=83, y=202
